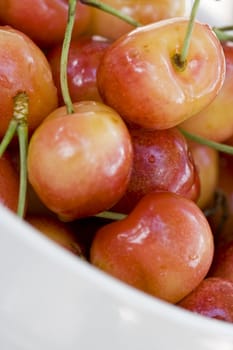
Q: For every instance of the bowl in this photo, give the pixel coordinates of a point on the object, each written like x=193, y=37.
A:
x=216, y=13
x=52, y=300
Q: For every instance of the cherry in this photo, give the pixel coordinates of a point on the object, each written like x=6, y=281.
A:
x=85, y=54
x=215, y=122
x=162, y=162
x=90, y=151
x=164, y=247
x=108, y=23
x=206, y=160
x=213, y=298
x=27, y=94
x=169, y=89
x=24, y=68
x=43, y=21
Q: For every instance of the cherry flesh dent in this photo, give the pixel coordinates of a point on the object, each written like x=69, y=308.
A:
x=213, y=298
x=165, y=95
x=215, y=122
x=85, y=54
x=143, y=11
x=162, y=162
x=51, y=17
x=24, y=68
x=164, y=247
x=79, y=164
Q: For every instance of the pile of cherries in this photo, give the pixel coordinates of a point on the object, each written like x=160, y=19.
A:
x=116, y=141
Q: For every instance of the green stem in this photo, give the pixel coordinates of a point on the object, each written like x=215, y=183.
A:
x=180, y=59
x=188, y=36
x=11, y=130
x=112, y=11
x=20, y=115
x=65, y=54
x=222, y=35
x=20, y=111
x=216, y=145
x=226, y=28
x=111, y=215
x=22, y=131
x=19, y=124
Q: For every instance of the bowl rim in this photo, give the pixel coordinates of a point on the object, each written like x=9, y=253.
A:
x=137, y=299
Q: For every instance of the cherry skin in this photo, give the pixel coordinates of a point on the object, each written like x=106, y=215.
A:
x=143, y=11
x=164, y=247
x=42, y=20
x=24, y=68
x=139, y=78
x=56, y=230
x=9, y=183
x=85, y=54
x=213, y=298
x=229, y=140
x=215, y=122
x=222, y=265
x=79, y=164
x=206, y=160
x=162, y=162
x=35, y=205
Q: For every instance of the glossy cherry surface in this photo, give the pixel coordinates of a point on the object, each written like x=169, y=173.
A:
x=139, y=78
x=164, y=247
x=162, y=162
x=83, y=160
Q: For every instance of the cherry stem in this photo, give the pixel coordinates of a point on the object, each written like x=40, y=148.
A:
x=112, y=11
x=19, y=124
x=180, y=59
x=11, y=130
x=65, y=54
x=22, y=131
x=111, y=215
x=226, y=28
x=221, y=147
x=222, y=35
x=20, y=115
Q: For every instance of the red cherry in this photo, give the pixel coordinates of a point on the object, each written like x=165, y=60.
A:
x=213, y=298
x=85, y=54
x=163, y=247
x=43, y=21
x=83, y=160
x=24, y=68
x=139, y=75
x=162, y=162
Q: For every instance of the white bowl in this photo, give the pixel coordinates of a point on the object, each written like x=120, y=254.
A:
x=52, y=300
x=215, y=12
